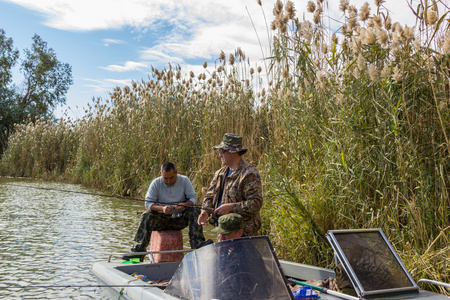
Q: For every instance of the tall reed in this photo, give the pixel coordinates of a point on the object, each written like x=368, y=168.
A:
x=361, y=132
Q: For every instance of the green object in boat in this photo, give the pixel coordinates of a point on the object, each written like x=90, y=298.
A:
x=132, y=261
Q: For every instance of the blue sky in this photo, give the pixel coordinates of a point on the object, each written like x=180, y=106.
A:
x=109, y=43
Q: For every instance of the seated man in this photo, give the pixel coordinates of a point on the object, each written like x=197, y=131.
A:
x=169, y=202
x=229, y=227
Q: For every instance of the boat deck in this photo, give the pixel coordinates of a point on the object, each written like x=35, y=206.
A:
x=119, y=273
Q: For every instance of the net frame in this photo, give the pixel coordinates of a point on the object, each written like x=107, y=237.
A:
x=381, y=243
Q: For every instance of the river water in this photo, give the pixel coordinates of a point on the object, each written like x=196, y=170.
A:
x=51, y=238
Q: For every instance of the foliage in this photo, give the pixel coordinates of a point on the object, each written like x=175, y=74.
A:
x=8, y=59
x=46, y=81
x=351, y=131
x=45, y=84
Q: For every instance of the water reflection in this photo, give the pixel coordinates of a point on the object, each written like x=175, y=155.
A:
x=52, y=237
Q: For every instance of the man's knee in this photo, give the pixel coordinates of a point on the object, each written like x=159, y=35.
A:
x=191, y=214
x=194, y=210
x=147, y=215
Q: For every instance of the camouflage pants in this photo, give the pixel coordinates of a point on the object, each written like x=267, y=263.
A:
x=151, y=221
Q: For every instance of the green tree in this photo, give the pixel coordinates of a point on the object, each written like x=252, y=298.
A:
x=8, y=58
x=46, y=82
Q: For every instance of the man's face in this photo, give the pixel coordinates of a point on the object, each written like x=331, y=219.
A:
x=169, y=177
x=232, y=235
x=226, y=157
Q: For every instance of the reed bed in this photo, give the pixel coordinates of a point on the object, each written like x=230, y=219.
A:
x=350, y=131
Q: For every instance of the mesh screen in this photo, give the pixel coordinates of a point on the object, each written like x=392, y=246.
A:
x=372, y=261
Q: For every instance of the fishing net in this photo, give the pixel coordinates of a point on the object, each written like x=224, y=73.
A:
x=370, y=261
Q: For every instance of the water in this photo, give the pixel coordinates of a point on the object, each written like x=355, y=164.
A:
x=52, y=238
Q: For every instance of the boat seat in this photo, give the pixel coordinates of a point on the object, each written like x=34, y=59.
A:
x=166, y=240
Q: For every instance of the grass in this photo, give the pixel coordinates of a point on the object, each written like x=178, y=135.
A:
x=351, y=131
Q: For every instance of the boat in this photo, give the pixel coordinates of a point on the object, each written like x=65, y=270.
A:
x=247, y=268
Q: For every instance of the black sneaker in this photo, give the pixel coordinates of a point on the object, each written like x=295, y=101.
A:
x=205, y=243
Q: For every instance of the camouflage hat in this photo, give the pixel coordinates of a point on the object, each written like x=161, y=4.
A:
x=232, y=143
x=229, y=223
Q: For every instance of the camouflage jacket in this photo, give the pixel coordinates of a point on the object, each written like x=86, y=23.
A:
x=243, y=189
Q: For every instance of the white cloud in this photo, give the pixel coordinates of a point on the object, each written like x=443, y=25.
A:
x=209, y=41
x=108, y=42
x=106, y=85
x=119, y=81
x=128, y=66
x=83, y=15
x=157, y=56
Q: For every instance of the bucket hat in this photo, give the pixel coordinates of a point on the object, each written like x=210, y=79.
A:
x=232, y=143
x=229, y=223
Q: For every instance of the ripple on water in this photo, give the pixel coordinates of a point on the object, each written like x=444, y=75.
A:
x=52, y=238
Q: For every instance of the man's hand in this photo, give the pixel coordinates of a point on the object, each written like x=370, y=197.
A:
x=203, y=218
x=167, y=209
x=224, y=209
x=182, y=206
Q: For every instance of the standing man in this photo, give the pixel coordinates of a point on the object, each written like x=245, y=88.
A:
x=236, y=187
x=169, y=202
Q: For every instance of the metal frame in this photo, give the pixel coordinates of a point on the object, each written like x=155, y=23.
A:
x=350, y=272
x=434, y=282
x=152, y=260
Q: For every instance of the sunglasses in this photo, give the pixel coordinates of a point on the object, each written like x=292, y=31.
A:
x=222, y=151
